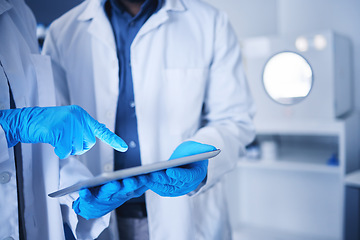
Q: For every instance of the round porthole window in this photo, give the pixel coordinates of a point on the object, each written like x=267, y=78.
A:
x=288, y=78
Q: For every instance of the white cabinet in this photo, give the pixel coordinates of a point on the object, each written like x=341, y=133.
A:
x=295, y=189
x=298, y=195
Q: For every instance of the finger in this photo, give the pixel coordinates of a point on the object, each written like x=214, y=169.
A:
x=160, y=177
x=86, y=195
x=188, y=174
x=139, y=182
x=189, y=148
x=182, y=174
x=140, y=191
x=63, y=147
x=89, y=139
x=105, y=135
x=77, y=137
x=131, y=184
x=164, y=178
x=163, y=189
x=143, y=179
x=108, y=190
x=76, y=206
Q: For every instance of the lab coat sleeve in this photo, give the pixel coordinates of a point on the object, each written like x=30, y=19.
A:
x=3, y=146
x=71, y=169
x=228, y=106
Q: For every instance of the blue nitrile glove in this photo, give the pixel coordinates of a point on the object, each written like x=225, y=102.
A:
x=98, y=201
x=179, y=181
x=70, y=129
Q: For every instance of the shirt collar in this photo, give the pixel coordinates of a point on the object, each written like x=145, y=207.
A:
x=148, y=4
x=94, y=6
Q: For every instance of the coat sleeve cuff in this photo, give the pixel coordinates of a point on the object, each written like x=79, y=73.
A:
x=81, y=228
x=3, y=146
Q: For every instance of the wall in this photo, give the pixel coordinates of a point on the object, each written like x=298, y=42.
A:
x=250, y=18
x=343, y=17
x=46, y=11
x=263, y=17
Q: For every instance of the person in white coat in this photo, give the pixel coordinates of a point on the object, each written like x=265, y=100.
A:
x=188, y=84
x=28, y=115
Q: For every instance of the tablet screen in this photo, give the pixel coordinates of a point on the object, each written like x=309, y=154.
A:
x=134, y=171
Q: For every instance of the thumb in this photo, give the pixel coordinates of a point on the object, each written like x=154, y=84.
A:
x=86, y=195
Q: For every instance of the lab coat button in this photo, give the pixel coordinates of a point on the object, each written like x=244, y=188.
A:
x=110, y=114
x=132, y=144
x=5, y=177
x=108, y=167
x=132, y=104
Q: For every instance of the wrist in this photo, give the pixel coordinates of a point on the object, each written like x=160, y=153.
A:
x=8, y=120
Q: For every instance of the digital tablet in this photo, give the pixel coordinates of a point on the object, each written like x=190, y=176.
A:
x=134, y=171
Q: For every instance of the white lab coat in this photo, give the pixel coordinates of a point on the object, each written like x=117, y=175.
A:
x=30, y=77
x=31, y=81
x=188, y=84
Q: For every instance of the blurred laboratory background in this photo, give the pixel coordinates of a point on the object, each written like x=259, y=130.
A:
x=300, y=178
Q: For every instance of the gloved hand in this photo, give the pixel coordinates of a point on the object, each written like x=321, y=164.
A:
x=181, y=180
x=70, y=129
x=98, y=201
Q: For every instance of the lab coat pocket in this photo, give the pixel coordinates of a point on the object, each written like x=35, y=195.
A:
x=185, y=92
x=45, y=80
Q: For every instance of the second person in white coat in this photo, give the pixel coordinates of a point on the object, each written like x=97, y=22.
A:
x=184, y=67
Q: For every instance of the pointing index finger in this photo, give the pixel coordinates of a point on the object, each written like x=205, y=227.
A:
x=107, y=136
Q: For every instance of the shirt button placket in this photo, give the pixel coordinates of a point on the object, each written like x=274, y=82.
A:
x=132, y=104
x=132, y=144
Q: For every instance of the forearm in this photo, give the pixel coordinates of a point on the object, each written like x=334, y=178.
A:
x=69, y=129
x=10, y=122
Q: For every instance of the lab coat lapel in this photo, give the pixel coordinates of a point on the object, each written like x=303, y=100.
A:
x=152, y=23
x=105, y=67
x=4, y=6
x=100, y=27
x=17, y=76
x=160, y=17
x=103, y=50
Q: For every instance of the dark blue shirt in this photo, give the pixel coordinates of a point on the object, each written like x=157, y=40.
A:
x=125, y=27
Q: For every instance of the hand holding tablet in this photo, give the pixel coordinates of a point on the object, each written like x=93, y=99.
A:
x=181, y=180
x=135, y=171
x=94, y=202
